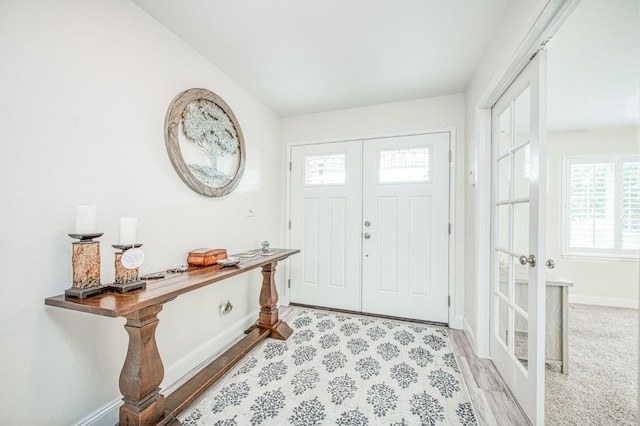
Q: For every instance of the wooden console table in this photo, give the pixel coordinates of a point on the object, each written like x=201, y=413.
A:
x=143, y=371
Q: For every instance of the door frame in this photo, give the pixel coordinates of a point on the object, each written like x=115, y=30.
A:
x=455, y=321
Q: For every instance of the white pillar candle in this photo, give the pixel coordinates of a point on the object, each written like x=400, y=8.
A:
x=86, y=220
x=128, y=231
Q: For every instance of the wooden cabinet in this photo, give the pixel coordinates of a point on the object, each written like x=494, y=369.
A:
x=556, y=321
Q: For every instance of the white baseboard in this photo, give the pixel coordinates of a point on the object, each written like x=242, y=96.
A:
x=471, y=335
x=106, y=416
x=178, y=373
x=457, y=323
x=603, y=301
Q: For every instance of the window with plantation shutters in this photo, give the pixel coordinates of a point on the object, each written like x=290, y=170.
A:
x=630, y=214
x=602, y=205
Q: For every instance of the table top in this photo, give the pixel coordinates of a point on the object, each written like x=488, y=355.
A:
x=551, y=279
x=163, y=290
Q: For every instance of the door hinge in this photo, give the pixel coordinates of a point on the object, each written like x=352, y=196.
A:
x=449, y=229
x=289, y=282
x=448, y=300
x=289, y=224
x=450, y=156
x=290, y=165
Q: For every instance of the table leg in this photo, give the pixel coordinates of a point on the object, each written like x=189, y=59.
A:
x=142, y=372
x=268, y=317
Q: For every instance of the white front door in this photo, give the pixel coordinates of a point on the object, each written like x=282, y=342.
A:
x=518, y=237
x=326, y=208
x=405, y=229
x=403, y=185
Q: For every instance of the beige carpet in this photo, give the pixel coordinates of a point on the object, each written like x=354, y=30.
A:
x=601, y=387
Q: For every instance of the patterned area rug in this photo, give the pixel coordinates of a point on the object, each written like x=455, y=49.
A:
x=339, y=369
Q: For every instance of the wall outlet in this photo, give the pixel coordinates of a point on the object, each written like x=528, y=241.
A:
x=225, y=309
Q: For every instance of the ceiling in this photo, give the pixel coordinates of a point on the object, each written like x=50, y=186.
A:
x=304, y=56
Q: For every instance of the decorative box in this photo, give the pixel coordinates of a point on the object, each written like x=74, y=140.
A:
x=206, y=256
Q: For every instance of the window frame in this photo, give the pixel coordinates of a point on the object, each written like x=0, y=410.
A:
x=617, y=252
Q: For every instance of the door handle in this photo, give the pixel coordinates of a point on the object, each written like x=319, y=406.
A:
x=367, y=235
x=367, y=223
x=530, y=260
x=550, y=264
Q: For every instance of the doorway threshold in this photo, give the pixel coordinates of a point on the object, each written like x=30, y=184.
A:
x=370, y=314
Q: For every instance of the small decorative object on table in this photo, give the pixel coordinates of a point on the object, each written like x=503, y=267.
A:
x=229, y=261
x=206, y=256
x=85, y=259
x=265, y=246
x=86, y=266
x=127, y=262
x=128, y=259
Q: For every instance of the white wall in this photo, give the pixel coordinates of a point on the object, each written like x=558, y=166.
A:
x=511, y=32
x=388, y=119
x=596, y=281
x=84, y=87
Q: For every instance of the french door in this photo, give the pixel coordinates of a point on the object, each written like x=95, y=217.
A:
x=518, y=242
x=371, y=218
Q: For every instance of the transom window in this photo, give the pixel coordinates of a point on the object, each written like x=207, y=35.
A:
x=405, y=165
x=328, y=169
x=601, y=214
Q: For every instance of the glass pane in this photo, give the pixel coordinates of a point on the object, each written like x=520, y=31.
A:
x=405, y=165
x=504, y=269
x=630, y=205
x=503, y=321
x=521, y=173
x=503, y=227
x=504, y=136
x=521, y=339
x=326, y=169
x=521, y=228
x=522, y=117
x=521, y=288
x=504, y=177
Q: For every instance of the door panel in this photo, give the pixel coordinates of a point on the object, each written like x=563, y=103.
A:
x=406, y=201
x=517, y=310
x=325, y=215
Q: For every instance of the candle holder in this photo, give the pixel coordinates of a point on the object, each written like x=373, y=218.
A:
x=86, y=266
x=126, y=279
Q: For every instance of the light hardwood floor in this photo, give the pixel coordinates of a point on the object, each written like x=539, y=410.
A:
x=490, y=397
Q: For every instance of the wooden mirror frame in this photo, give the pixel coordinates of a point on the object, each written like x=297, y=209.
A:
x=171, y=137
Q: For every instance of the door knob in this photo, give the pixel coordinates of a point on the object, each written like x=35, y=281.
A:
x=367, y=223
x=530, y=260
x=367, y=235
x=550, y=264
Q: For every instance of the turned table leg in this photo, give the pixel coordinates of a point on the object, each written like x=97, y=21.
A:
x=143, y=371
x=268, y=317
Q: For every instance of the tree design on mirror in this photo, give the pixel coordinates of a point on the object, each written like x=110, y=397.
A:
x=204, y=142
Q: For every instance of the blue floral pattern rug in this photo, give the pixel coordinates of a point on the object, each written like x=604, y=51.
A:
x=339, y=369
